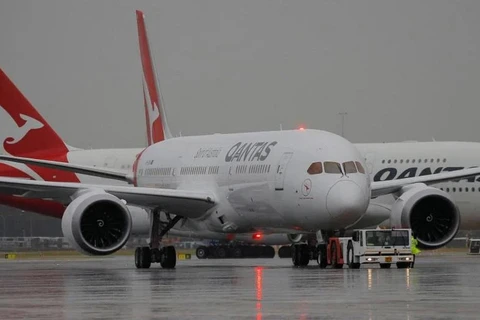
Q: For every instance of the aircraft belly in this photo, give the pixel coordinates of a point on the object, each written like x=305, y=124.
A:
x=254, y=202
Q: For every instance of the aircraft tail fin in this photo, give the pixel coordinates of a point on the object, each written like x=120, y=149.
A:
x=23, y=131
x=157, y=127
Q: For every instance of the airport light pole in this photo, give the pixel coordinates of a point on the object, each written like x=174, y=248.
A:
x=343, y=114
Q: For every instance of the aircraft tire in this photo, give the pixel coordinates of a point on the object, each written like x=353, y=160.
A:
x=295, y=255
x=202, y=252
x=257, y=251
x=269, y=252
x=169, y=257
x=143, y=257
x=237, y=252
x=322, y=256
x=300, y=255
x=221, y=252
x=285, y=252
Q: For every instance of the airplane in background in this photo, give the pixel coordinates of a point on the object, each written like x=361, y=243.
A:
x=297, y=181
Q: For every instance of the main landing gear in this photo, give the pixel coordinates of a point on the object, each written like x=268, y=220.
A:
x=166, y=256
x=315, y=249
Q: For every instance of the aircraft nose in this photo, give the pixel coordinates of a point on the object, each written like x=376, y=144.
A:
x=346, y=201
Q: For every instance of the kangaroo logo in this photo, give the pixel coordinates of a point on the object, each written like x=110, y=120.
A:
x=14, y=133
x=153, y=114
x=18, y=135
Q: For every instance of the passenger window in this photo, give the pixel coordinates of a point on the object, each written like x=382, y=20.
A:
x=332, y=167
x=349, y=167
x=315, y=168
x=360, y=167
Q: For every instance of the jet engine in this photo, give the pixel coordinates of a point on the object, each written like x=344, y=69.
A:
x=97, y=223
x=295, y=238
x=430, y=212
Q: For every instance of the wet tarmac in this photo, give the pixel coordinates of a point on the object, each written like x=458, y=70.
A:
x=439, y=287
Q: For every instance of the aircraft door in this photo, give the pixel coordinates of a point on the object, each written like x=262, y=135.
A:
x=370, y=161
x=281, y=169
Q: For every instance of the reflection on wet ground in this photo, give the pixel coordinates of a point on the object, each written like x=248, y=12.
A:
x=440, y=287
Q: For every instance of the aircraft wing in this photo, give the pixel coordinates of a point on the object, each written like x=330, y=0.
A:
x=81, y=169
x=380, y=188
x=186, y=203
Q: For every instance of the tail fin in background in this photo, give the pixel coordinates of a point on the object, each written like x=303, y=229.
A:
x=23, y=131
x=157, y=127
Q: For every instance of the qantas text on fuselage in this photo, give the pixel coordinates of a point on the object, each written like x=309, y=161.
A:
x=392, y=173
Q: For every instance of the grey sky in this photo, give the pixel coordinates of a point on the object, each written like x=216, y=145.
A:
x=403, y=70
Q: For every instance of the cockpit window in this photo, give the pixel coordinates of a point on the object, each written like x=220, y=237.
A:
x=349, y=167
x=315, y=168
x=332, y=167
x=360, y=167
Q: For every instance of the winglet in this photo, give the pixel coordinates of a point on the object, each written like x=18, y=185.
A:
x=157, y=127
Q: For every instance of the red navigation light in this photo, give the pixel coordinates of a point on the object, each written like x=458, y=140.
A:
x=257, y=236
x=301, y=128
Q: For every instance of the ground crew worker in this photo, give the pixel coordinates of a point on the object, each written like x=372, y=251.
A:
x=414, y=248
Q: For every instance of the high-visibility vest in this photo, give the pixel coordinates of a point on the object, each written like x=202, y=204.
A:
x=414, y=248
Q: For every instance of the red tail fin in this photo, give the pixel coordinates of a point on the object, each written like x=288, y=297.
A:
x=157, y=128
x=24, y=132
x=27, y=134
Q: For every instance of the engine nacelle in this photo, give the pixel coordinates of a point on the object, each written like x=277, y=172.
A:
x=431, y=214
x=97, y=223
x=140, y=221
x=295, y=238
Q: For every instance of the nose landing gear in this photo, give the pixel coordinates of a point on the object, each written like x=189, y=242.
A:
x=166, y=256
x=316, y=248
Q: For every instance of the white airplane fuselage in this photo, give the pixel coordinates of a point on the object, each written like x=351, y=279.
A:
x=445, y=155
x=260, y=180
x=387, y=161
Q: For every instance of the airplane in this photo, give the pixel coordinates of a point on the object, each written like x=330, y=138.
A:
x=25, y=132
x=292, y=181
